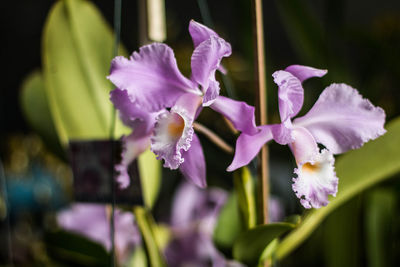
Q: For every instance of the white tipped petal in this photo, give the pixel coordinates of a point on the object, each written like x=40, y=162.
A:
x=315, y=182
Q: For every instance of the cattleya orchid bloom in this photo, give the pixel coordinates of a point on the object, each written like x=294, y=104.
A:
x=193, y=218
x=160, y=104
x=340, y=120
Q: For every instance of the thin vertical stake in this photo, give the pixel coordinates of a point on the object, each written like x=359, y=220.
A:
x=117, y=37
x=259, y=57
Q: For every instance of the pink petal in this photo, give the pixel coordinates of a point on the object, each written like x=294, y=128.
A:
x=132, y=115
x=304, y=72
x=290, y=94
x=239, y=113
x=194, y=165
x=341, y=119
x=132, y=146
x=248, y=146
x=304, y=147
x=199, y=32
x=151, y=77
x=206, y=59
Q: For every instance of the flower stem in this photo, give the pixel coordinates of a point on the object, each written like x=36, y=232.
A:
x=259, y=60
x=213, y=137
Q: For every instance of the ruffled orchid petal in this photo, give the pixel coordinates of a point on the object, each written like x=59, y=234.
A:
x=151, y=77
x=304, y=72
x=248, y=146
x=290, y=94
x=200, y=33
x=172, y=134
x=283, y=133
x=174, y=131
x=205, y=61
x=239, y=113
x=304, y=146
x=341, y=119
x=132, y=115
x=132, y=146
x=194, y=166
x=315, y=182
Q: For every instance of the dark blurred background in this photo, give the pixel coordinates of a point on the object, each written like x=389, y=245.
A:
x=357, y=41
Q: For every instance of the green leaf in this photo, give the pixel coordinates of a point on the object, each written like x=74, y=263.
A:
x=357, y=170
x=150, y=177
x=229, y=226
x=379, y=217
x=244, y=185
x=147, y=228
x=76, y=249
x=138, y=258
x=250, y=244
x=77, y=51
x=36, y=110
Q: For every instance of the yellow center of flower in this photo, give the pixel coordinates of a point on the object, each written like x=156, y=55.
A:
x=176, y=126
x=308, y=167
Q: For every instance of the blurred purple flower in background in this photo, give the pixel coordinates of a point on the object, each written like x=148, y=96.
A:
x=340, y=120
x=160, y=104
x=194, y=215
x=91, y=221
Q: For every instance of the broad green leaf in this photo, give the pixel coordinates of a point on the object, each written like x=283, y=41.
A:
x=77, y=51
x=379, y=215
x=229, y=226
x=357, y=170
x=36, y=110
x=150, y=177
x=244, y=186
x=341, y=235
x=147, y=228
x=138, y=258
x=250, y=244
x=76, y=250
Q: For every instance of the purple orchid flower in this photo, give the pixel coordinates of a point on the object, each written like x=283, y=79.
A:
x=91, y=221
x=340, y=120
x=160, y=104
x=194, y=215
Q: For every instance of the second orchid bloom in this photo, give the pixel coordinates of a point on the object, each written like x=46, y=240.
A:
x=161, y=105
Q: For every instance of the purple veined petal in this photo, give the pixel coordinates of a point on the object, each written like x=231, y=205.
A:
x=205, y=61
x=248, y=146
x=194, y=165
x=239, y=113
x=304, y=146
x=341, y=119
x=283, y=132
x=290, y=94
x=132, y=146
x=200, y=33
x=151, y=77
x=315, y=182
x=212, y=92
x=304, y=72
x=132, y=115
